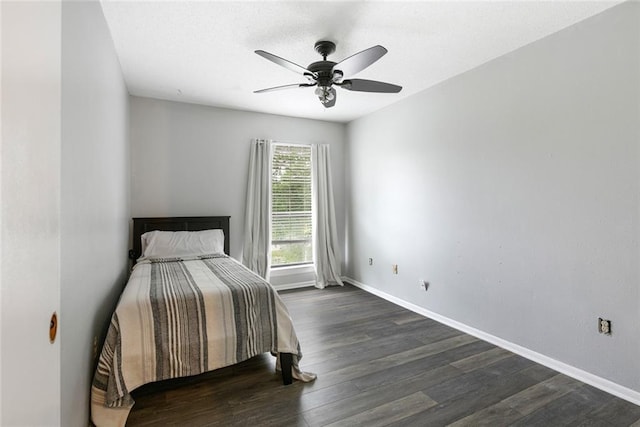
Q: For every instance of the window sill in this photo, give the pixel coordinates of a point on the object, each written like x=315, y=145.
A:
x=285, y=270
x=292, y=274
x=292, y=268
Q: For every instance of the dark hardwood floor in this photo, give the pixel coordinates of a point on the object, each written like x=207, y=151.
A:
x=378, y=365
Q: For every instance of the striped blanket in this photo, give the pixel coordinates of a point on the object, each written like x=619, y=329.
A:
x=180, y=317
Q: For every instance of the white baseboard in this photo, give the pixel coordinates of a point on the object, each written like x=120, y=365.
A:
x=584, y=376
x=287, y=286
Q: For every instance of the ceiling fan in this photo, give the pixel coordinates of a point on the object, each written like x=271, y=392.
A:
x=325, y=74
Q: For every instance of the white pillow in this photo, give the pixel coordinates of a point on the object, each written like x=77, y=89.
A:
x=169, y=244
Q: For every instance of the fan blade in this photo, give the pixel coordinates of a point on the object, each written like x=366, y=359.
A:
x=271, y=89
x=286, y=64
x=361, y=60
x=331, y=103
x=361, y=85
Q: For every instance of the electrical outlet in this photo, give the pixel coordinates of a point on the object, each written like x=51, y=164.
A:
x=424, y=285
x=604, y=326
x=370, y=261
x=394, y=268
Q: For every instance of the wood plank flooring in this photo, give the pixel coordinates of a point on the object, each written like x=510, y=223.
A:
x=380, y=365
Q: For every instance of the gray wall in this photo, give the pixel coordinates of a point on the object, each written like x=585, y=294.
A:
x=193, y=160
x=95, y=207
x=514, y=189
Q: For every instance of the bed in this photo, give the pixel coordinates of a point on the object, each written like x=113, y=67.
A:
x=187, y=308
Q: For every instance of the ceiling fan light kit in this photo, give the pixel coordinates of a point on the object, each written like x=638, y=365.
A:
x=325, y=74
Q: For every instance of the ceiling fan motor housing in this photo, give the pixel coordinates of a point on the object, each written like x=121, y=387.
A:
x=323, y=70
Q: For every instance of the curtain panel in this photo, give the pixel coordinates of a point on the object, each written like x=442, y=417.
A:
x=256, y=253
x=326, y=250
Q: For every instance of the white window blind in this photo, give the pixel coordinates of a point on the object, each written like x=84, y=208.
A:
x=291, y=205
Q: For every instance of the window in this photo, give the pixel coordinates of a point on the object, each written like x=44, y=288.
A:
x=291, y=205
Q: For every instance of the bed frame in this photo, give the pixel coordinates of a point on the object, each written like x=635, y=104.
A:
x=195, y=223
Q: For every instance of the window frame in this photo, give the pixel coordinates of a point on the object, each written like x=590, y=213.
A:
x=300, y=264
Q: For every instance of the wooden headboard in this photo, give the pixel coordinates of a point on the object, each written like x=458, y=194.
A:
x=177, y=223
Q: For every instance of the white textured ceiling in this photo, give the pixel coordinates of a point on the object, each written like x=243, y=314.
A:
x=203, y=52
